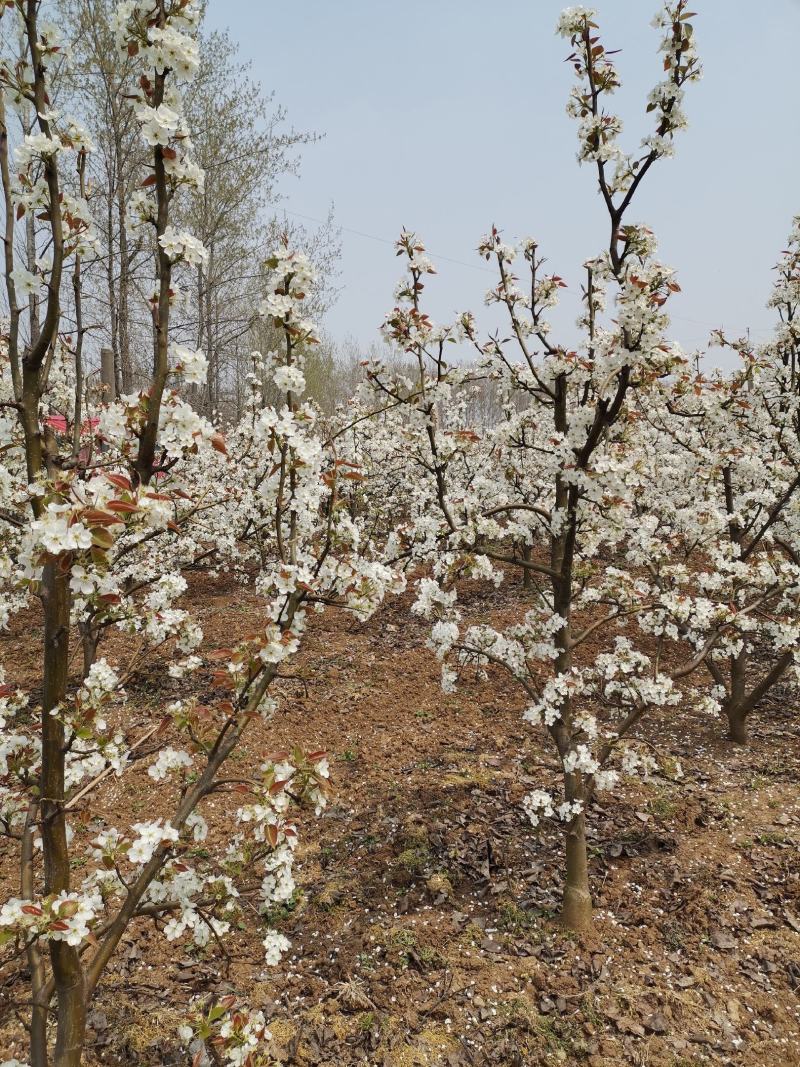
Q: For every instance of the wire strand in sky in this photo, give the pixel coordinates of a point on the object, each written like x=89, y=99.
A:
x=487, y=270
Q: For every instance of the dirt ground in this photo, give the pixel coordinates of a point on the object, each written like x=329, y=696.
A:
x=425, y=928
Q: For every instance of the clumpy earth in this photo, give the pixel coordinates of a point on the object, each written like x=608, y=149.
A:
x=425, y=927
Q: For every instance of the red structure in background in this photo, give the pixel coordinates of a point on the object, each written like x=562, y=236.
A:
x=59, y=424
x=88, y=426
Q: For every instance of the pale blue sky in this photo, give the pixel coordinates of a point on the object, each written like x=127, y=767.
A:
x=448, y=115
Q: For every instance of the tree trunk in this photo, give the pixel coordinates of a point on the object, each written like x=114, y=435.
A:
x=740, y=703
x=527, y=573
x=71, y=996
x=30, y=251
x=124, y=370
x=79, y=331
x=213, y=369
x=737, y=723
x=70, y=986
x=88, y=647
x=113, y=310
x=38, y=1024
x=576, y=910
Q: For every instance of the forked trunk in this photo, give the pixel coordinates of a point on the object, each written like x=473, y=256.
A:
x=737, y=723
x=741, y=703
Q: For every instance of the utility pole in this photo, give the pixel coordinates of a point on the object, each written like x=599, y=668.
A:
x=107, y=375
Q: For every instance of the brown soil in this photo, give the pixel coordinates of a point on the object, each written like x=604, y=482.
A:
x=426, y=929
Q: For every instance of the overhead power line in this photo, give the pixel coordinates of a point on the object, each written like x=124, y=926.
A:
x=488, y=270
x=388, y=241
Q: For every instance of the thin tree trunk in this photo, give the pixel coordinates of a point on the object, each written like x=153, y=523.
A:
x=38, y=1025
x=70, y=985
x=33, y=301
x=125, y=383
x=527, y=573
x=143, y=466
x=78, y=412
x=88, y=647
x=30, y=248
x=576, y=911
x=79, y=330
x=213, y=369
x=113, y=307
